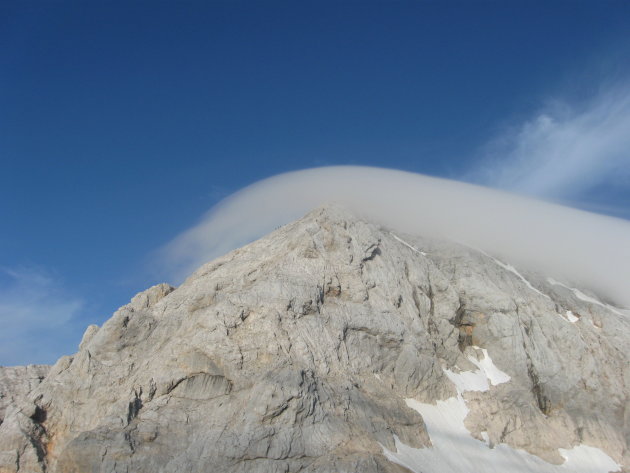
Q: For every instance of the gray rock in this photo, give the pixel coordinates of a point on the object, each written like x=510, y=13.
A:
x=296, y=353
x=16, y=382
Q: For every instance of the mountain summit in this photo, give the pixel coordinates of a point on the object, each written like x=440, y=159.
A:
x=336, y=345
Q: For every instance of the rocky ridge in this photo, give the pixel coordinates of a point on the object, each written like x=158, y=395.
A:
x=305, y=351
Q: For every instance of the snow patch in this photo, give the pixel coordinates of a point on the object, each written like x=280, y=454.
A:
x=468, y=380
x=480, y=380
x=572, y=318
x=407, y=244
x=454, y=450
x=580, y=295
x=569, y=316
x=494, y=374
x=513, y=270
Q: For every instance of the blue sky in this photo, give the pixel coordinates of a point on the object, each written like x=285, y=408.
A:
x=121, y=123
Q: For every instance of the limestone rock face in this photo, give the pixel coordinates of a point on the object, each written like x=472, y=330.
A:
x=16, y=382
x=302, y=351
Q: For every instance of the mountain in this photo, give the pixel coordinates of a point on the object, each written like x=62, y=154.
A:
x=337, y=345
x=16, y=382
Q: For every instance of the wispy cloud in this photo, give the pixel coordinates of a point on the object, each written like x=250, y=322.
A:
x=590, y=249
x=35, y=315
x=565, y=150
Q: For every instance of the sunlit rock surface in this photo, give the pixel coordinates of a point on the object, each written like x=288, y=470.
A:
x=16, y=382
x=335, y=345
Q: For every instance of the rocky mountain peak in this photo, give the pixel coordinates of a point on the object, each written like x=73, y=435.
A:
x=334, y=344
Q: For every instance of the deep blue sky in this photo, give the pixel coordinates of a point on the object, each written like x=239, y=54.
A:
x=121, y=123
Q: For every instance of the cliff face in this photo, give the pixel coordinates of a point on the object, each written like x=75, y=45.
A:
x=16, y=382
x=336, y=345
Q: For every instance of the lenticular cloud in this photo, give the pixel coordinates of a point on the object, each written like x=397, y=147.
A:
x=589, y=249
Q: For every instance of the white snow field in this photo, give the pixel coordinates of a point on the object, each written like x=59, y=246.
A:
x=455, y=450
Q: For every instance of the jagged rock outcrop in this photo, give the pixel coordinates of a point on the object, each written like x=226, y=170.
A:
x=302, y=351
x=16, y=382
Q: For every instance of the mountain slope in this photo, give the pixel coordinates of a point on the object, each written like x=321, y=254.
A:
x=323, y=347
x=17, y=381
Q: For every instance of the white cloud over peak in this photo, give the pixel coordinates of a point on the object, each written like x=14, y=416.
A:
x=586, y=248
x=563, y=151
